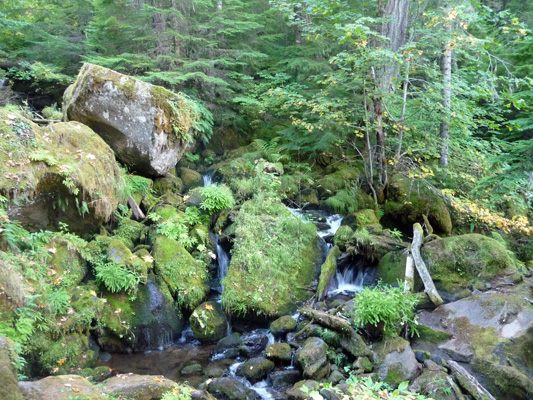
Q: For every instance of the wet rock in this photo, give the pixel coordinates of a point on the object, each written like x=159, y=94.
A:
x=190, y=178
x=256, y=369
x=280, y=353
x=436, y=384
x=138, y=387
x=8, y=374
x=296, y=393
x=231, y=389
x=282, y=326
x=213, y=371
x=312, y=359
x=253, y=344
x=167, y=184
x=208, y=322
x=335, y=377
x=191, y=370
x=396, y=361
x=229, y=342
x=457, y=350
x=97, y=374
x=201, y=395
x=63, y=387
x=145, y=125
x=363, y=364
x=284, y=379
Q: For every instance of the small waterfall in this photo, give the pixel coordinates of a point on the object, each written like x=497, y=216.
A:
x=222, y=261
x=260, y=387
x=208, y=179
x=334, y=222
x=3, y=82
x=349, y=281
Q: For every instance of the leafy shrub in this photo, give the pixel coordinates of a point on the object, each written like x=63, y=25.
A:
x=116, y=277
x=194, y=217
x=389, y=307
x=215, y=198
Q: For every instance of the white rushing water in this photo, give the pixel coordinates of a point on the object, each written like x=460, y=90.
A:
x=347, y=282
x=334, y=222
x=261, y=388
x=208, y=179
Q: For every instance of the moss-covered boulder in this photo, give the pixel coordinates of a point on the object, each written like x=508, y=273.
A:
x=185, y=277
x=64, y=387
x=147, y=321
x=256, y=369
x=327, y=272
x=190, y=178
x=330, y=184
x=409, y=203
x=65, y=261
x=208, y=322
x=138, y=387
x=454, y=262
x=9, y=389
x=228, y=388
x=147, y=126
x=280, y=353
x=120, y=254
x=62, y=172
x=274, y=257
x=396, y=361
x=51, y=354
x=167, y=184
x=312, y=359
x=282, y=325
x=130, y=232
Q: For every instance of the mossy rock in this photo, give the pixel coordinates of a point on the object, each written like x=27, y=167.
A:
x=467, y=258
x=343, y=236
x=148, y=126
x=9, y=389
x=63, y=172
x=274, y=256
x=190, y=178
x=185, y=277
x=327, y=271
x=280, y=353
x=332, y=183
x=407, y=204
x=396, y=361
x=282, y=325
x=64, y=387
x=256, y=369
x=167, y=184
x=208, y=322
x=120, y=254
x=66, y=262
x=391, y=269
x=312, y=358
x=59, y=355
x=130, y=231
x=147, y=321
x=138, y=387
x=224, y=140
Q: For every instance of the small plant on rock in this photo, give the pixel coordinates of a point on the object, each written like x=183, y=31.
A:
x=385, y=311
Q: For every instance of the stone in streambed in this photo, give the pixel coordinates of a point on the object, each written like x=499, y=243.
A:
x=61, y=387
x=256, y=369
x=280, y=353
x=138, y=387
x=284, y=379
x=396, y=361
x=312, y=359
x=191, y=370
x=231, y=389
x=208, y=322
x=282, y=325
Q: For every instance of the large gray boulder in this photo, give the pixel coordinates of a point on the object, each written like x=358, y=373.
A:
x=147, y=126
x=396, y=361
x=8, y=375
x=138, y=387
x=61, y=387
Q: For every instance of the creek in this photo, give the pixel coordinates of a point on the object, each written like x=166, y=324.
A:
x=171, y=357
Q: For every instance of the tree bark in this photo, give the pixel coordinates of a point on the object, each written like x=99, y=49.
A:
x=421, y=266
x=409, y=274
x=446, y=70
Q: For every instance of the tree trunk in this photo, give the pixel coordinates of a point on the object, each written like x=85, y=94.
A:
x=409, y=274
x=159, y=22
x=446, y=69
x=421, y=266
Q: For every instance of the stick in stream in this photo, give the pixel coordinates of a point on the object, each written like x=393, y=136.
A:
x=421, y=266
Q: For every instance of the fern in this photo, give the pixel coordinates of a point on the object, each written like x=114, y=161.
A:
x=116, y=277
x=344, y=202
x=270, y=149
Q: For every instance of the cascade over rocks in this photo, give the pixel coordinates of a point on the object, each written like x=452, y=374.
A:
x=147, y=126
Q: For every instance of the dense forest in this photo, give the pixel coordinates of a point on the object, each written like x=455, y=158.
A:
x=218, y=164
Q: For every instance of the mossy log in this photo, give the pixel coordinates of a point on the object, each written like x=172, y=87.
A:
x=328, y=320
x=421, y=266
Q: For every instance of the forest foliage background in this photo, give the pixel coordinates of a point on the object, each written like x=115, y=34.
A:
x=322, y=80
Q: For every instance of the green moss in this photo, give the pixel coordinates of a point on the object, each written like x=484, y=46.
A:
x=274, y=257
x=64, y=160
x=327, y=270
x=366, y=217
x=431, y=335
x=129, y=231
x=343, y=235
x=190, y=178
x=67, y=262
x=336, y=181
x=184, y=275
x=119, y=253
x=208, y=322
x=168, y=184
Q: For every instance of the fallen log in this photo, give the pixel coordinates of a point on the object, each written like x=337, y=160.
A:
x=136, y=210
x=469, y=383
x=423, y=272
x=328, y=320
x=409, y=274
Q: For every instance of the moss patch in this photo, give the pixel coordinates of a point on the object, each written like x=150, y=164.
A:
x=327, y=270
x=274, y=257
